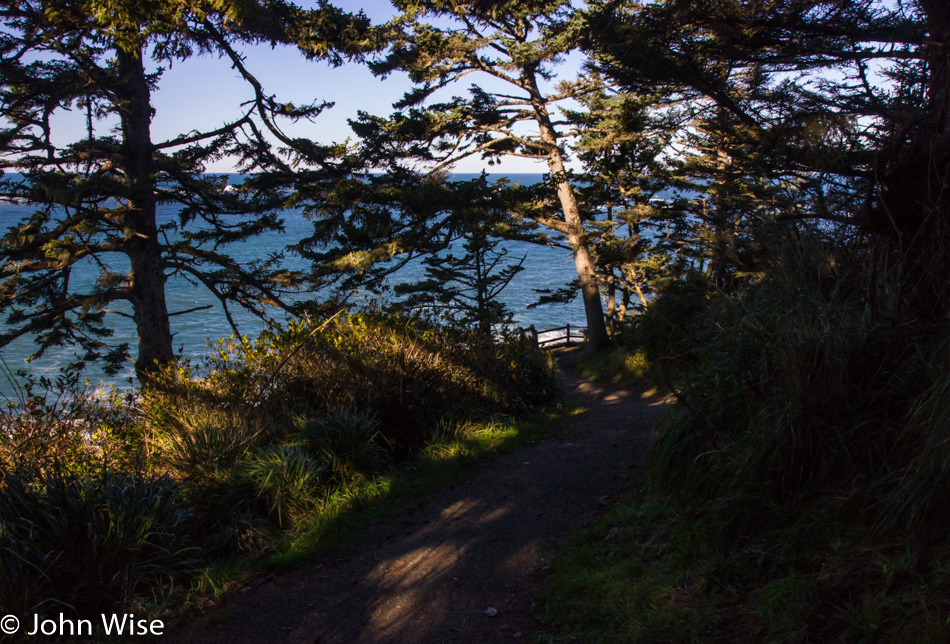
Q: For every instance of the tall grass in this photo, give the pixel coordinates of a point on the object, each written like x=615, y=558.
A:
x=349, y=442
x=798, y=490
x=795, y=393
x=82, y=525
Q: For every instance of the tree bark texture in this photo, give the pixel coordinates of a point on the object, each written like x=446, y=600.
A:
x=147, y=272
x=597, y=337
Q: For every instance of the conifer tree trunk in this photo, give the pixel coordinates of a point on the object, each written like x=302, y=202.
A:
x=914, y=211
x=597, y=337
x=147, y=274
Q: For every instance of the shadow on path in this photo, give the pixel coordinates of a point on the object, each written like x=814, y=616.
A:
x=430, y=573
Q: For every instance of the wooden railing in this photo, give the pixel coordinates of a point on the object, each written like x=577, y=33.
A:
x=566, y=335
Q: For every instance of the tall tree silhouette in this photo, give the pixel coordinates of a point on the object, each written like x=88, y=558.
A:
x=846, y=102
x=511, y=50
x=95, y=195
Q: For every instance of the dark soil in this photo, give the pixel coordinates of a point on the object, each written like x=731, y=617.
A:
x=463, y=564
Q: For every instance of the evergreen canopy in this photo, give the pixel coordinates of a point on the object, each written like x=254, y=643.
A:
x=96, y=193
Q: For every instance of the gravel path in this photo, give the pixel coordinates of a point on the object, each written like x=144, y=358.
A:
x=462, y=564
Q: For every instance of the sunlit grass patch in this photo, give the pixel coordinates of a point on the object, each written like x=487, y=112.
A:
x=443, y=461
x=618, y=366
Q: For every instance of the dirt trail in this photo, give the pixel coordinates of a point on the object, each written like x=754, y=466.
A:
x=430, y=573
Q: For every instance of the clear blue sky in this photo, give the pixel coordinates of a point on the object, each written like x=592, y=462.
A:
x=204, y=92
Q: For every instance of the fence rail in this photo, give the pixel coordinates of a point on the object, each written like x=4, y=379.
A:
x=566, y=335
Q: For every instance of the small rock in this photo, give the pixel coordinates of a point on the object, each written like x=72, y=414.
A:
x=491, y=611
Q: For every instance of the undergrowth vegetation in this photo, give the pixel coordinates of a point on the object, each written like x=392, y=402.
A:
x=106, y=499
x=617, y=366
x=798, y=489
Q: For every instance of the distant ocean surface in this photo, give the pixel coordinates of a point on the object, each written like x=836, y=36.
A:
x=194, y=333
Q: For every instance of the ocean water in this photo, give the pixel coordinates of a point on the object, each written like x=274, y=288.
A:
x=194, y=333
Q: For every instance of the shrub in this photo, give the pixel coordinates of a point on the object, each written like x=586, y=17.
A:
x=917, y=490
x=197, y=443
x=676, y=323
x=102, y=498
x=803, y=476
x=82, y=527
x=410, y=374
x=797, y=398
x=784, y=400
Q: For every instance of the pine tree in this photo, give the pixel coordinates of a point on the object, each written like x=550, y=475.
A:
x=623, y=142
x=96, y=196
x=368, y=226
x=465, y=288
x=514, y=47
x=844, y=103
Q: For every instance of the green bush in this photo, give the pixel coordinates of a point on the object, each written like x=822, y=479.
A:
x=82, y=526
x=196, y=443
x=786, y=400
x=410, y=374
x=808, y=426
x=804, y=474
x=917, y=491
x=675, y=324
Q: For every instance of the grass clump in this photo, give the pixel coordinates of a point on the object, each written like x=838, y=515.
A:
x=83, y=525
x=349, y=443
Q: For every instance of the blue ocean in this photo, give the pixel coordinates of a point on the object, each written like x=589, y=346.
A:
x=194, y=333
